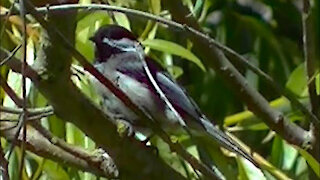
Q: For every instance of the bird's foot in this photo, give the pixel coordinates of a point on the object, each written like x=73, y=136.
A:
x=124, y=128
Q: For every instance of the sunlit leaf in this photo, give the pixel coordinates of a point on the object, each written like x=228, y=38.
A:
x=122, y=20
x=313, y=163
x=281, y=104
x=175, y=71
x=86, y=27
x=54, y=171
x=248, y=171
x=297, y=81
x=155, y=6
x=283, y=154
x=173, y=48
x=74, y=135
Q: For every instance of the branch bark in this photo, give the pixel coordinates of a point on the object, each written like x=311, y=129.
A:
x=309, y=20
x=41, y=145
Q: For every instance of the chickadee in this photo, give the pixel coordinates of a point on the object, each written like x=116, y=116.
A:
x=119, y=57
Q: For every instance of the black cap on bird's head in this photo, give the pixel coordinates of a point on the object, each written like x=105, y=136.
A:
x=106, y=39
x=112, y=32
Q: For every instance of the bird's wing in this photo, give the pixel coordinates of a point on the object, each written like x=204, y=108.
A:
x=175, y=93
x=180, y=101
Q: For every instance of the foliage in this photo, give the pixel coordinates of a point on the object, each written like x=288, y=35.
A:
x=269, y=36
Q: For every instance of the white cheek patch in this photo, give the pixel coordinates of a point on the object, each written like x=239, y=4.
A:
x=124, y=44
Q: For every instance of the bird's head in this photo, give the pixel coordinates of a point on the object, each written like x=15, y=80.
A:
x=111, y=40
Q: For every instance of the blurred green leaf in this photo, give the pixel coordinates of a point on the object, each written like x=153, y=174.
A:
x=74, y=135
x=314, y=164
x=175, y=71
x=57, y=126
x=86, y=27
x=281, y=104
x=277, y=152
x=122, y=20
x=13, y=166
x=248, y=171
x=297, y=81
x=171, y=158
x=155, y=6
x=173, y=48
x=54, y=171
x=198, y=8
x=283, y=155
x=301, y=170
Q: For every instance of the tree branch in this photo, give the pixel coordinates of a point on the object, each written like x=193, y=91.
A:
x=42, y=145
x=309, y=18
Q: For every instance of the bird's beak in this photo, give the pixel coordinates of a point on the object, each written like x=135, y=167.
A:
x=92, y=39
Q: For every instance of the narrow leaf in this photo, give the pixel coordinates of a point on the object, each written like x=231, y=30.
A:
x=173, y=48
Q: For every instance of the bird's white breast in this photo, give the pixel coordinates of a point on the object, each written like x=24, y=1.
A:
x=136, y=91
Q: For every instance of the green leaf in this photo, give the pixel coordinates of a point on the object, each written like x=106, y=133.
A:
x=198, y=7
x=283, y=155
x=54, y=171
x=313, y=163
x=297, y=81
x=175, y=71
x=155, y=6
x=248, y=171
x=57, y=126
x=122, y=20
x=86, y=27
x=173, y=48
x=277, y=152
x=74, y=135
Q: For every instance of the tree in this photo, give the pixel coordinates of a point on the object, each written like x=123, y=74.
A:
x=65, y=133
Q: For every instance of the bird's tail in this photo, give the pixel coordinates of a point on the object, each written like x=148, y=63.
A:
x=225, y=140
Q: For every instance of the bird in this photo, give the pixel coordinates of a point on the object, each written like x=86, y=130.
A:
x=120, y=57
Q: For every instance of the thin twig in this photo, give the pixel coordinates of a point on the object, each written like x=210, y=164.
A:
x=7, y=18
x=309, y=45
x=31, y=111
x=10, y=92
x=24, y=87
x=37, y=143
x=15, y=65
x=11, y=55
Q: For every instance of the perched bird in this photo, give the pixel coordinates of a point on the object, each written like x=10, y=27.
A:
x=120, y=57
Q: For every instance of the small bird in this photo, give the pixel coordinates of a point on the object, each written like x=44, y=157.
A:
x=120, y=57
